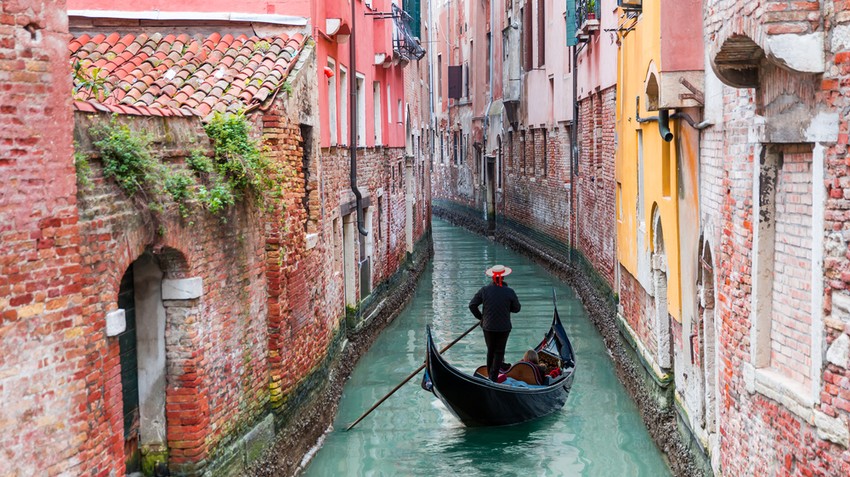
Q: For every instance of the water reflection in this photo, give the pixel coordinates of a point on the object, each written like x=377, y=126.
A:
x=598, y=432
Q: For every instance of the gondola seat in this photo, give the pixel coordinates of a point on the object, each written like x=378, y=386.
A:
x=525, y=372
x=522, y=371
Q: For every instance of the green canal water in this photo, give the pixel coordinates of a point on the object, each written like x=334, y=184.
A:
x=598, y=432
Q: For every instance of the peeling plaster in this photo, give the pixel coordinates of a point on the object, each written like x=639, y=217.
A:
x=823, y=128
x=839, y=352
x=803, y=53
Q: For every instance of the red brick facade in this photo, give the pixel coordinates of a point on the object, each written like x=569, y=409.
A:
x=780, y=256
x=257, y=296
x=44, y=357
x=596, y=186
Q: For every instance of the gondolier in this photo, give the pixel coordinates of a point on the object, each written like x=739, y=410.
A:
x=499, y=302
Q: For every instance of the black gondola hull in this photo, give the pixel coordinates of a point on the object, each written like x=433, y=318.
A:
x=477, y=401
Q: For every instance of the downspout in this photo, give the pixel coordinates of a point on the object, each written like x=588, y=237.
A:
x=352, y=86
x=573, y=154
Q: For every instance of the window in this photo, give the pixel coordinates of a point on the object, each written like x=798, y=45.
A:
x=466, y=80
x=527, y=55
x=489, y=53
x=376, y=108
x=640, y=211
x=439, y=82
x=380, y=216
x=332, y=118
x=782, y=296
x=510, y=148
x=522, y=153
x=343, y=106
x=389, y=106
x=545, y=153
x=499, y=164
x=361, y=111
x=455, y=145
x=400, y=116
x=541, y=33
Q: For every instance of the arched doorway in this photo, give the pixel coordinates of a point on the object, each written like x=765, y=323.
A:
x=708, y=339
x=147, y=297
x=663, y=337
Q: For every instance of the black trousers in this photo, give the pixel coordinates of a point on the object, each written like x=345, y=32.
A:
x=496, y=341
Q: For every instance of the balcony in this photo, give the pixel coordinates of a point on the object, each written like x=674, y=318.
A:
x=405, y=42
x=587, y=17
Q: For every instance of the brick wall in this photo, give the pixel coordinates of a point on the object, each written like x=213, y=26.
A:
x=638, y=309
x=761, y=431
x=215, y=345
x=791, y=341
x=42, y=332
x=596, y=185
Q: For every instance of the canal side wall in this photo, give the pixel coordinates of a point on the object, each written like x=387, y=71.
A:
x=308, y=414
x=653, y=398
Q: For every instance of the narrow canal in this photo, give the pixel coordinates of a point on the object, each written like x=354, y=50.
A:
x=598, y=432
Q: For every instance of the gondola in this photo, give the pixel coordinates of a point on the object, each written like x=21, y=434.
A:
x=476, y=401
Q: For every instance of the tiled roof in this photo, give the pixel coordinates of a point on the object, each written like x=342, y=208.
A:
x=181, y=75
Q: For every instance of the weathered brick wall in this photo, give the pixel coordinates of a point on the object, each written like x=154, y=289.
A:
x=596, y=186
x=791, y=341
x=638, y=309
x=215, y=345
x=380, y=175
x=535, y=192
x=42, y=331
x=761, y=431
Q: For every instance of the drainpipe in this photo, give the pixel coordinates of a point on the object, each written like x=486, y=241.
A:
x=352, y=86
x=663, y=120
x=574, y=154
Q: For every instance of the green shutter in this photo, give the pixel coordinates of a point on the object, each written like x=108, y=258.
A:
x=412, y=8
x=571, y=23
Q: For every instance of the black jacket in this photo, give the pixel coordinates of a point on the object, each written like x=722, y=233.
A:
x=499, y=302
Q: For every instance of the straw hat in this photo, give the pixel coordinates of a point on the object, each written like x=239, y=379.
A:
x=499, y=270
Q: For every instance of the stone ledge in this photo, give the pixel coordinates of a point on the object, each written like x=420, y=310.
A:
x=116, y=322
x=661, y=377
x=182, y=289
x=786, y=392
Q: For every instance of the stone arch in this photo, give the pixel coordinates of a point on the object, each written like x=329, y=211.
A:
x=651, y=88
x=155, y=297
x=661, y=325
x=738, y=62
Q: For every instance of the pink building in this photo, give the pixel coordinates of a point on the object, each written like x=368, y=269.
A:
x=383, y=43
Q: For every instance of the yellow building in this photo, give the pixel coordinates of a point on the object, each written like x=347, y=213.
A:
x=659, y=91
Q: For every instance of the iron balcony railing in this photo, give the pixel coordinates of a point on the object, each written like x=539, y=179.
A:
x=586, y=10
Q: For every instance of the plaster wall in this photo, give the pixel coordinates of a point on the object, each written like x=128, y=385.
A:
x=597, y=62
x=639, y=54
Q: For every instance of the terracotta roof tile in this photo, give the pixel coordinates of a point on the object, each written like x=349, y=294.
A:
x=183, y=75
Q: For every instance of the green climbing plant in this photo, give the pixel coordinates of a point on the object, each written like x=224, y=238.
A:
x=92, y=80
x=236, y=169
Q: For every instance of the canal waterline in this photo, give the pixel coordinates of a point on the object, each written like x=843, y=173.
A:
x=598, y=432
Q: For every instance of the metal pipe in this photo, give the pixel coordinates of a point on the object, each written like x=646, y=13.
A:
x=691, y=122
x=664, y=125
x=352, y=86
x=663, y=120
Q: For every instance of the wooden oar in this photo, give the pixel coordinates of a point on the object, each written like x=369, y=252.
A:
x=408, y=378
